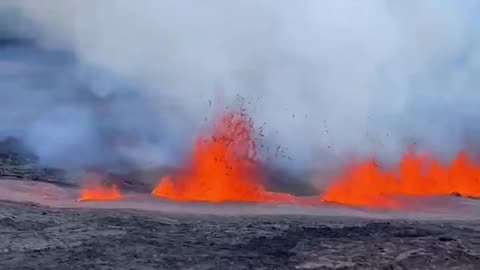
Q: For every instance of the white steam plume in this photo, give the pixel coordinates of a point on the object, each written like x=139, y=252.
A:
x=327, y=77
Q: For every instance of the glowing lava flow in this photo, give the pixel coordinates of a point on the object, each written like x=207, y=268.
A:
x=416, y=175
x=222, y=168
x=96, y=191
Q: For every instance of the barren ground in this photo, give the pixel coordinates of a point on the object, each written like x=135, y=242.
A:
x=40, y=237
x=53, y=231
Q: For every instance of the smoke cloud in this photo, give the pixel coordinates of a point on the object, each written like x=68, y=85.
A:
x=326, y=79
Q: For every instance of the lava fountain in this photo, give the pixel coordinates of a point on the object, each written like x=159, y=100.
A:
x=93, y=189
x=222, y=167
x=365, y=184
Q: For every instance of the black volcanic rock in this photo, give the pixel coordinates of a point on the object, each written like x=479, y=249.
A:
x=36, y=237
x=14, y=152
x=17, y=162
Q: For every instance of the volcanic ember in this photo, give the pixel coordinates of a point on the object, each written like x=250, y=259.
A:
x=93, y=189
x=222, y=167
x=365, y=184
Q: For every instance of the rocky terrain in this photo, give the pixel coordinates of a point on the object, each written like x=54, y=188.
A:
x=40, y=237
x=37, y=237
x=16, y=162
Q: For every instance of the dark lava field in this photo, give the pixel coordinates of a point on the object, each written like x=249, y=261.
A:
x=55, y=232
x=39, y=237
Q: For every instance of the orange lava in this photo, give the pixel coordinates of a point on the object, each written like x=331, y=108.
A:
x=94, y=190
x=221, y=168
x=365, y=184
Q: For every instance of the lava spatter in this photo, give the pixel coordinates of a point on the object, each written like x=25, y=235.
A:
x=365, y=184
x=93, y=189
x=222, y=167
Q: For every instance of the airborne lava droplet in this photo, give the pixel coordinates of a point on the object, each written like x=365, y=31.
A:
x=222, y=167
x=365, y=184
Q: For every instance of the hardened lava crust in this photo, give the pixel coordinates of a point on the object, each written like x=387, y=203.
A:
x=39, y=237
x=54, y=231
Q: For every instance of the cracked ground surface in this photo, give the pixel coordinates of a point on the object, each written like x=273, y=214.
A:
x=39, y=237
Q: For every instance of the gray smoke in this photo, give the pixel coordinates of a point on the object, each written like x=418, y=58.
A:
x=328, y=78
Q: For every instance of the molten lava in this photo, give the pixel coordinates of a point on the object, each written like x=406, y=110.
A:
x=94, y=190
x=222, y=167
x=366, y=184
